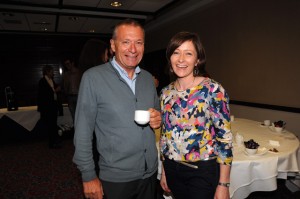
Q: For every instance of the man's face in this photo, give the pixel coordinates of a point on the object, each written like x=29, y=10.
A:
x=128, y=46
x=68, y=64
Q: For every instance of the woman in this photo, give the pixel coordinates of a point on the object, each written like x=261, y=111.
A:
x=196, y=140
x=48, y=105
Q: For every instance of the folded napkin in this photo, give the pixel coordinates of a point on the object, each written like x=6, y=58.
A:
x=274, y=143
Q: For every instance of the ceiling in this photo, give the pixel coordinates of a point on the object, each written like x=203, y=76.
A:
x=86, y=16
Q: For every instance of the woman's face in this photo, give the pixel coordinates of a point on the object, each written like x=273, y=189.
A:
x=184, y=59
x=50, y=74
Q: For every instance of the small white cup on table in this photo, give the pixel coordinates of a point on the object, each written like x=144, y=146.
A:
x=239, y=139
x=142, y=117
x=267, y=122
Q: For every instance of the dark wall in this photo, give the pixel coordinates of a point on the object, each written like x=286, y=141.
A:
x=156, y=63
x=252, y=47
x=23, y=56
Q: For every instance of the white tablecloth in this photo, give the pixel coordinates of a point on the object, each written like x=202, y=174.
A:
x=25, y=116
x=28, y=116
x=259, y=173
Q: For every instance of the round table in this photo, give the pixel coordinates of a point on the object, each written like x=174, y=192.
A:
x=259, y=172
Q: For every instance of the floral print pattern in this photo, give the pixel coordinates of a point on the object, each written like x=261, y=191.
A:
x=196, y=123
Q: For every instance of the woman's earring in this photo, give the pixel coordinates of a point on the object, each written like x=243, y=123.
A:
x=196, y=71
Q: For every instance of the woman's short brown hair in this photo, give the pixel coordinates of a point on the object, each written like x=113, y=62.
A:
x=181, y=37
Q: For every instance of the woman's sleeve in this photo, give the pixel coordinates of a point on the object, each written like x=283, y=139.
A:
x=221, y=119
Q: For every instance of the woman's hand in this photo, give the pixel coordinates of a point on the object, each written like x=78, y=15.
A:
x=163, y=181
x=163, y=184
x=222, y=192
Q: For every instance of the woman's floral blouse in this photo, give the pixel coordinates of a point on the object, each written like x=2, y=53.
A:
x=196, y=123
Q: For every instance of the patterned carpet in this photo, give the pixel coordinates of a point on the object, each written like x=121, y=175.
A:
x=30, y=170
x=282, y=192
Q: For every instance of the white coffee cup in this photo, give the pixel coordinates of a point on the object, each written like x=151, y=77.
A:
x=267, y=122
x=232, y=118
x=141, y=117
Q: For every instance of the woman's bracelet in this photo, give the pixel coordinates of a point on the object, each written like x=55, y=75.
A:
x=224, y=184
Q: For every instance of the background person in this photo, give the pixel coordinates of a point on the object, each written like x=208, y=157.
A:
x=71, y=82
x=196, y=138
x=93, y=53
x=108, y=97
x=48, y=106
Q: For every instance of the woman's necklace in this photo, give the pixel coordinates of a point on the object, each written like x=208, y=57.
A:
x=179, y=86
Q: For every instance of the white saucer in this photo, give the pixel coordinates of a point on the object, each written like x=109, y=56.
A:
x=260, y=151
x=263, y=125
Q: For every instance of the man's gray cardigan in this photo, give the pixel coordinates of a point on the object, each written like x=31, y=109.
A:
x=106, y=105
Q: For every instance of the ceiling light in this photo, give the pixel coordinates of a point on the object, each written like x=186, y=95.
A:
x=116, y=4
x=42, y=23
x=73, y=18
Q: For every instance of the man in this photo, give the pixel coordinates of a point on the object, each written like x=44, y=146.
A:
x=108, y=97
x=71, y=82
